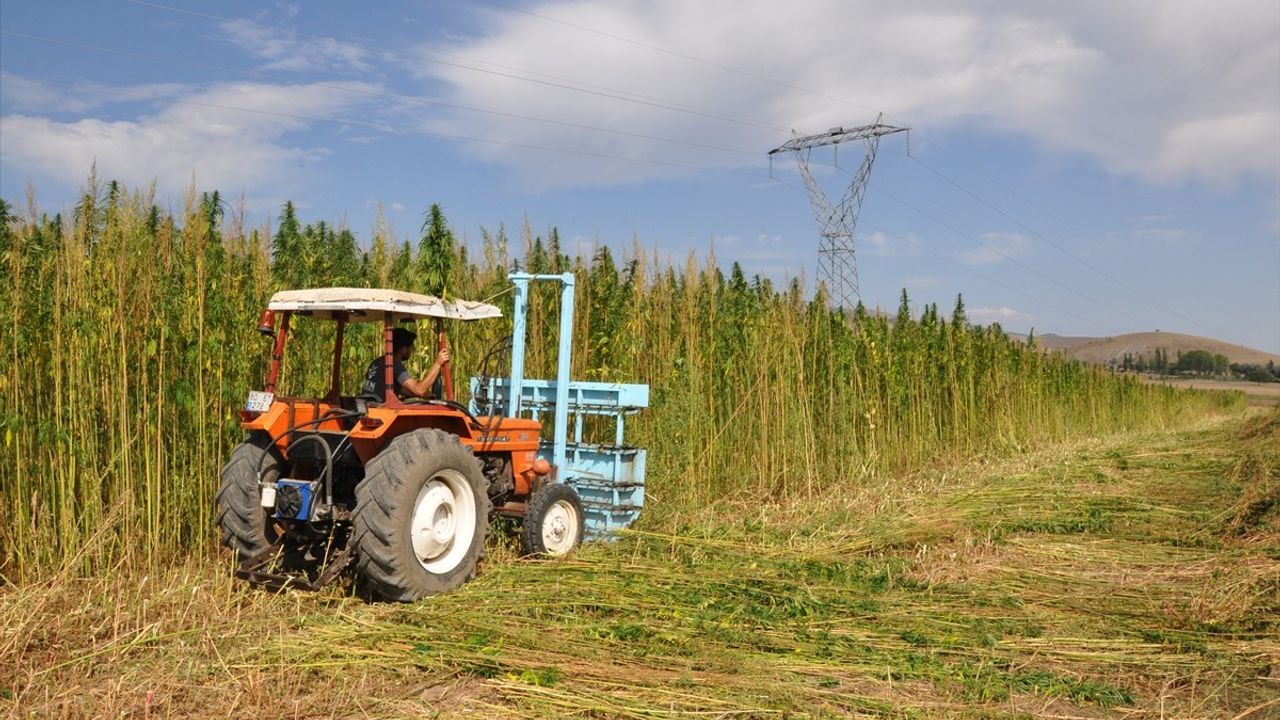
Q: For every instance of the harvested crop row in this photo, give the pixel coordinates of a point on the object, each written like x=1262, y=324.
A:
x=961, y=609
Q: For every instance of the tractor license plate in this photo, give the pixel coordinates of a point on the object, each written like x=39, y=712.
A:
x=259, y=401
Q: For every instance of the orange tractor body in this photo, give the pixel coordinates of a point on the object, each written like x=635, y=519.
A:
x=399, y=493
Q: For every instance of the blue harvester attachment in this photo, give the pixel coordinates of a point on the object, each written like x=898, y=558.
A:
x=608, y=476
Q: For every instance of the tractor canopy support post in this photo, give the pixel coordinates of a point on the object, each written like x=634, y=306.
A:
x=388, y=363
x=446, y=370
x=335, y=386
x=277, y=354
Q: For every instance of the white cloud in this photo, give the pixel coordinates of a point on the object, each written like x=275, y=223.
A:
x=231, y=150
x=759, y=251
x=1240, y=143
x=1168, y=92
x=880, y=244
x=1164, y=236
x=283, y=50
x=984, y=315
x=24, y=94
x=764, y=254
x=922, y=282
x=583, y=246
x=398, y=207
x=1150, y=219
x=998, y=247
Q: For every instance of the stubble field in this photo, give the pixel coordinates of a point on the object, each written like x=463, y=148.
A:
x=1136, y=576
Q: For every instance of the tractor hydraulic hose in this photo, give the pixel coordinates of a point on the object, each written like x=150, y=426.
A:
x=494, y=354
x=328, y=415
x=328, y=463
x=456, y=406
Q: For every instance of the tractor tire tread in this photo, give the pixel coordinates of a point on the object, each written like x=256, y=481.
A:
x=383, y=556
x=539, y=503
x=242, y=523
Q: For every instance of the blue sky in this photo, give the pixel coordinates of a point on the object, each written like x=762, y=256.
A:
x=1086, y=168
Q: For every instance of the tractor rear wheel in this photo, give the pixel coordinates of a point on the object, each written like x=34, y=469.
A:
x=421, y=517
x=553, y=521
x=245, y=525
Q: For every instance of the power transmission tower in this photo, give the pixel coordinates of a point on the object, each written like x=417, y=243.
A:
x=837, y=266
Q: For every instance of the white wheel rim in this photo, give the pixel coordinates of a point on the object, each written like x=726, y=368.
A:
x=560, y=528
x=444, y=521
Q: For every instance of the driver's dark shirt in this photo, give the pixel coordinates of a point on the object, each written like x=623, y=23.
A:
x=374, y=388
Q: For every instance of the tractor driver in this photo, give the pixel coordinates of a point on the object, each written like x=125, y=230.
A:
x=375, y=378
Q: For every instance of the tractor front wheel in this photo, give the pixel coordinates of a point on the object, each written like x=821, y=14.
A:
x=421, y=517
x=245, y=525
x=553, y=521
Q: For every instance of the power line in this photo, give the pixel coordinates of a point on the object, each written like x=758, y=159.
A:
x=1059, y=247
x=1068, y=223
x=612, y=95
x=779, y=83
x=391, y=128
x=988, y=278
x=879, y=188
x=815, y=93
x=984, y=276
x=444, y=136
x=682, y=56
x=376, y=93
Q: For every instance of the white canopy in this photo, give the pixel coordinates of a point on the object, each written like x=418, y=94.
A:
x=370, y=304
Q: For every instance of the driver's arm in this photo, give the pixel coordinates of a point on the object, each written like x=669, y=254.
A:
x=422, y=388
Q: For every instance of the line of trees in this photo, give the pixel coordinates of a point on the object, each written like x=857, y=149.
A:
x=1257, y=373
x=1198, y=362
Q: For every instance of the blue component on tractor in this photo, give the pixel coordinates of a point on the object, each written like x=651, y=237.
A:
x=608, y=475
x=294, y=498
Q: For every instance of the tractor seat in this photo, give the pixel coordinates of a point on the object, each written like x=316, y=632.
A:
x=352, y=404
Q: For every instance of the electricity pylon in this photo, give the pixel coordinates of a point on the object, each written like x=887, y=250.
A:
x=837, y=265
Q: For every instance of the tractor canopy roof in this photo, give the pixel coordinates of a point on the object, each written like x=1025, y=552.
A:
x=370, y=304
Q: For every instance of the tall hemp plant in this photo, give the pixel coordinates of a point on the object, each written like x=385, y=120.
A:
x=129, y=342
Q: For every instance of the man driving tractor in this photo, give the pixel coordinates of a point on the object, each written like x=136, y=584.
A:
x=374, y=387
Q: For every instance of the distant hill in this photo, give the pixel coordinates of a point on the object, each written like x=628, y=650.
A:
x=1060, y=342
x=1113, y=349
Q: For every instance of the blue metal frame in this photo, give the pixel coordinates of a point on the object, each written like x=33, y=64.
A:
x=608, y=477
